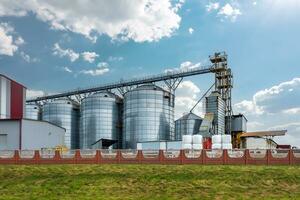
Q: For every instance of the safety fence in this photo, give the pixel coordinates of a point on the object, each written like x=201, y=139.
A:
x=125, y=156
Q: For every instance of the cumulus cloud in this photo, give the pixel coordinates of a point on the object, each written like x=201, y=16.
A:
x=187, y=65
x=275, y=108
x=186, y=97
x=191, y=30
x=89, y=56
x=71, y=54
x=7, y=44
x=281, y=98
x=229, y=12
x=212, y=6
x=140, y=21
x=101, y=69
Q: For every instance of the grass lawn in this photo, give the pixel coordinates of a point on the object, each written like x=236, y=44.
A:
x=149, y=182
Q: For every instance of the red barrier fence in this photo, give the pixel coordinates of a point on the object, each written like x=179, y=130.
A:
x=201, y=157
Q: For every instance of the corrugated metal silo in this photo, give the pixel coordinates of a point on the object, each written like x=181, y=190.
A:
x=100, y=119
x=64, y=113
x=33, y=111
x=189, y=124
x=215, y=104
x=148, y=115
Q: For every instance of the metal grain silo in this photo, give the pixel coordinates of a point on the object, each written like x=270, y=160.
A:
x=216, y=105
x=100, y=119
x=148, y=115
x=33, y=111
x=64, y=113
x=188, y=124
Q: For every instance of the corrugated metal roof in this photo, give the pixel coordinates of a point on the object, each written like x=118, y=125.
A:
x=4, y=76
x=189, y=116
x=264, y=133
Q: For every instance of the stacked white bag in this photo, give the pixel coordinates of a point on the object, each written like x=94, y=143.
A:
x=192, y=142
x=197, y=142
x=221, y=142
x=187, y=141
x=226, y=142
x=216, y=141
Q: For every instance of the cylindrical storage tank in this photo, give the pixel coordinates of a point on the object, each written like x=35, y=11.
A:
x=64, y=113
x=148, y=115
x=188, y=124
x=33, y=111
x=100, y=119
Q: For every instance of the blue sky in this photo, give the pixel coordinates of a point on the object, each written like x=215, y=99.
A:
x=61, y=45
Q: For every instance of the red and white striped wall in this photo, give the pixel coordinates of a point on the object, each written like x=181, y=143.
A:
x=12, y=98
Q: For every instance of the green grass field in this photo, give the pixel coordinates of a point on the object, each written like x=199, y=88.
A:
x=149, y=182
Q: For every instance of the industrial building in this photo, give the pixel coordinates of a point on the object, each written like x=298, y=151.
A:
x=26, y=134
x=12, y=98
x=139, y=113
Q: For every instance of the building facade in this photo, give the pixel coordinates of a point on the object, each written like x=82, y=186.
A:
x=12, y=98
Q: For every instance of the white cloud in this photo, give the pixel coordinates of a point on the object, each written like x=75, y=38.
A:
x=212, y=6
x=191, y=30
x=275, y=108
x=115, y=59
x=72, y=55
x=89, y=56
x=101, y=69
x=67, y=69
x=138, y=20
x=19, y=41
x=12, y=8
x=292, y=111
x=187, y=65
x=292, y=136
x=229, y=12
x=34, y=93
x=281, y=98
x=7, y=45
x=186, y=97
x=27, y=58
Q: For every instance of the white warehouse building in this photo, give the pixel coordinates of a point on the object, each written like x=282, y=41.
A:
x=19, y=134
